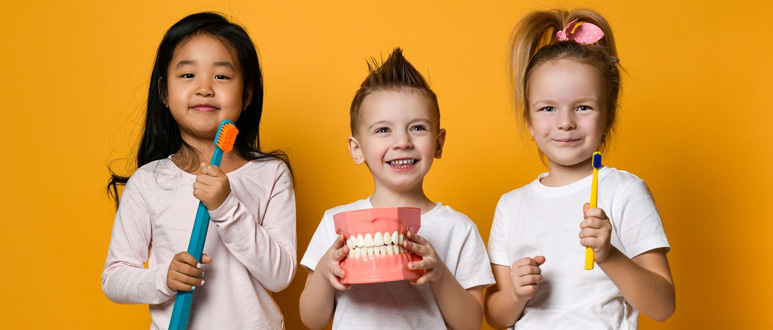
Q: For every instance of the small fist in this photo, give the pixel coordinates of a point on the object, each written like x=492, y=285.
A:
x=526, y=275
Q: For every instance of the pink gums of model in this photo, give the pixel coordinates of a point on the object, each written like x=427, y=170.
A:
x=374, y=237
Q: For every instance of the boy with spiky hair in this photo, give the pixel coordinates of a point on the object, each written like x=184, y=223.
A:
x=395, y=123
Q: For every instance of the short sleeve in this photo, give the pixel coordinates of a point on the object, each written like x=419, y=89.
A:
x=638, y=222
x=321, y=241
x=497, y=247
x=473, y=268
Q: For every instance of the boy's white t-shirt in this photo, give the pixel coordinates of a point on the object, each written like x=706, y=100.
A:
x=401, y=305
x=539, y=220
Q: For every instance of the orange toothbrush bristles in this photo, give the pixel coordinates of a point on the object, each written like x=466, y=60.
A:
x=227, y=137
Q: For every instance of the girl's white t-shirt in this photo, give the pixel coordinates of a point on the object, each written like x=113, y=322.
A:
x=539, y=220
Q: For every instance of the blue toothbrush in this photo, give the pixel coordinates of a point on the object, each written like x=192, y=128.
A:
x=182, y=303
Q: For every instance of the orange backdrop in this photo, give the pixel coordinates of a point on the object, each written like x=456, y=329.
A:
x=75, y=76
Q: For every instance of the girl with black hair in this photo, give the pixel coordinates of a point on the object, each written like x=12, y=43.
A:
x=206, y=70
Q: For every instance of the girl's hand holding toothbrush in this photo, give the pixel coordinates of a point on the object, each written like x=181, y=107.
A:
x=595, y=232
x=185, y=272
x=211, y=186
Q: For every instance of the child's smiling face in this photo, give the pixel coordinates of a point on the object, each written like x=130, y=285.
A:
x=397, y=138
x=204, y=86
x=567, y=108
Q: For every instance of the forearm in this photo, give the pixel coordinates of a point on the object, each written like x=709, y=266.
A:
x=503, y=309
x=268, y=252
x=126, y=284
x=460, y=309
x=270, y=261
x=317, y=302
x=651, y=293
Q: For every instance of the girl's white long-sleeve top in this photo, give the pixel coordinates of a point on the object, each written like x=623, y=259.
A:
x=251, y=240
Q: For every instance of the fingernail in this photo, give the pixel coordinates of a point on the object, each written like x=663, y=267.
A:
x=202, y=282
x=202, y=274
x=198, y=265
x=193, y=288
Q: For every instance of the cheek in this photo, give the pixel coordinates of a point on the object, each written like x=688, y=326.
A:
x=373, y=150
x=595, y=125
x=540, y=127
x=235, y=97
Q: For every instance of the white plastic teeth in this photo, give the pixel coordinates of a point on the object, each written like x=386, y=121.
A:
x=378, y=244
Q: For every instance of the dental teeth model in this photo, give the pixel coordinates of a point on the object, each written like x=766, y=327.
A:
x=375, y=238
x=377, y=245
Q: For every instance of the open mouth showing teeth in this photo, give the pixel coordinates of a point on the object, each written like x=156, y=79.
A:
x=374, y=238
x=402, y=163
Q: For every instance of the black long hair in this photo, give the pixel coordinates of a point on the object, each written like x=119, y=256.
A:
x=161, y=134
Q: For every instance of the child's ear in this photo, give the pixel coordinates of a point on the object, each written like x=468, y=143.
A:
x=441, y=140
x=356, y=151
x=531, y=132
x=247, y=98
x=161, y=91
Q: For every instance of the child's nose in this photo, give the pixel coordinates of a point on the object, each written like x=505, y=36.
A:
x=205, y=89
x=566, y=120
x=402, y=141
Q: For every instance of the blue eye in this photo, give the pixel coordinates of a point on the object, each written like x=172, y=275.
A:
x=583, y=108
x=547, y=109
x=418, y=128
x=382, y=130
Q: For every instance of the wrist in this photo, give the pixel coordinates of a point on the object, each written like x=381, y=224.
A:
x=221, y=211
x=441, y=273
x=322, y=278
x=612, y=254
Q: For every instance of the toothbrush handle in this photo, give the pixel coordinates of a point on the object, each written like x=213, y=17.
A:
x=589, y=259
x=184, y=299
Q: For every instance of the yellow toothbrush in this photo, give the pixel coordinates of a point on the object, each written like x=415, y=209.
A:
x=594, y=191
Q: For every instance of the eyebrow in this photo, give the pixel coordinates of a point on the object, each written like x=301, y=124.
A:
x=387, y=123
x=380, y=122
x=418, y=119
x=192, y=62
x=552, y=101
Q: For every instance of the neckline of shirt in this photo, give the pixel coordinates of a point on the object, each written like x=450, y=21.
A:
x=178, y=169
x=433, y=210
x=566, y=189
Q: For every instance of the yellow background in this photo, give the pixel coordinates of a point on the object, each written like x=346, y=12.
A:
x=694, y=126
